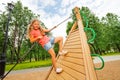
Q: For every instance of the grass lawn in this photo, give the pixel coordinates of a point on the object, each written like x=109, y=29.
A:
x=36, y=64
x=26, y=65
x=110, y=54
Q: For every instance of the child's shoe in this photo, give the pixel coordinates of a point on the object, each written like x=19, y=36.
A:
x=63, y=52
x=58, y=70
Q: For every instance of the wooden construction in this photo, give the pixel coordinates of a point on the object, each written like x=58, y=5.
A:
x=77, y=64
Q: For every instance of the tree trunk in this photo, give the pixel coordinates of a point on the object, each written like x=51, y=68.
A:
x=99, y=51
x=11, y=61
x=92, y=45
x=35, y=56
x=30, y=57
x=118, y=47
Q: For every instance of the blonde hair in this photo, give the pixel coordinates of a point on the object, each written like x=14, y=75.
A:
x=30, y=28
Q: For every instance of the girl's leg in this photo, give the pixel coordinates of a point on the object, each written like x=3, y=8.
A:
x=48, y=47
x=52, y=53
x=59, y=40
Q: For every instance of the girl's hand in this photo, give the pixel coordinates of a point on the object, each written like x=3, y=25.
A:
x=32, y=39
x=39, y=37
x=52, y=28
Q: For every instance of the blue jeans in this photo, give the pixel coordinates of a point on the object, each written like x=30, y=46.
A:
x=50, y=44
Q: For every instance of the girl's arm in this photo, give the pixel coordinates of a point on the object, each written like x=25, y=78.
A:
x=32, y=39
x=48, y=30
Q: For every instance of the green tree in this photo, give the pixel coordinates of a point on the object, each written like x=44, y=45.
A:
x=19, y=21
x=107, y=30
x=113, y=31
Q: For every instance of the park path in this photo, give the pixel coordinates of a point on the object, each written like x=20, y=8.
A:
x=30, y=70
x=109, y=72
x=107, y=58
x=96, y=60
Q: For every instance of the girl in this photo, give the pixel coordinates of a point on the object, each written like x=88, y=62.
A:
x=37, y=34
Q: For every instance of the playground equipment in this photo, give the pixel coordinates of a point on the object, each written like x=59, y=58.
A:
x=77, y=64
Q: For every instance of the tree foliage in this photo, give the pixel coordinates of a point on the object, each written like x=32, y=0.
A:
x=18, y=44
x=107, y=30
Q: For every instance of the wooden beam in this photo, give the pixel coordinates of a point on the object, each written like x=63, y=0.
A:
x=73, y=27
x=89, y=67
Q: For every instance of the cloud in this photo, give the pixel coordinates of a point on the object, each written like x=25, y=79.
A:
x=45, y=3
x=107, y=6
x=3, y=4
x=52, y=12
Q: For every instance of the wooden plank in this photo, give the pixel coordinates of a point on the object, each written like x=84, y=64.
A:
x=72, y=50
x=55, y=76
x=74, y=34
x=73, y=27
x=78, y=61
x=49, y=72
x=49, y=78
x=73, y=46
x=52, y=76
x=73, y=73
x=73, y=37
x=73, y=40
x=66, y=76
x=75, y=55
x=72, y=43
x=76, y=67
x=75, y=30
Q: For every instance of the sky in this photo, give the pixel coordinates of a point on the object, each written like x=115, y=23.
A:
x=53, y=12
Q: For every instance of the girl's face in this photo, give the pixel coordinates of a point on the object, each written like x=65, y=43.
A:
x=36, y=25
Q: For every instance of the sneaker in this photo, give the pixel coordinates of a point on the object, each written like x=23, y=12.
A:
x=63, y=52
x=59, y=70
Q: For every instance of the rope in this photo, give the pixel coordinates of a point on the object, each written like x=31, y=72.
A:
x=64, y=20
x=61, y=23
x=17, y=61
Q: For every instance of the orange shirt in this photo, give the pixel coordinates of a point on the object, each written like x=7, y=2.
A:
x=43, y=40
